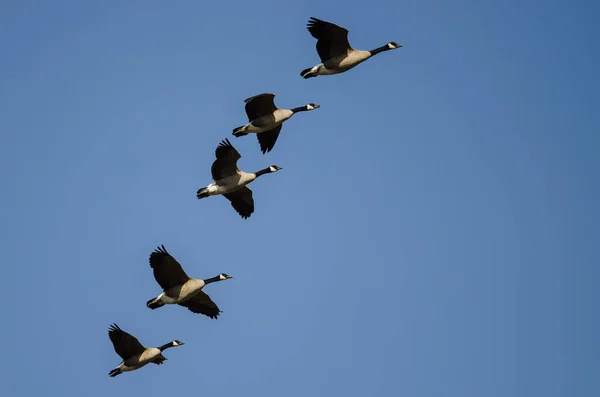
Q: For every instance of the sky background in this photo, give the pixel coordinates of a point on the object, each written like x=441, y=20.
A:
x=433, y=232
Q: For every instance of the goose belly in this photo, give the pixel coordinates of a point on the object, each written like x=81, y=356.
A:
x=185, y=291
x=125, y=368
x=230, y=183
x=224, y=189
x=226, y=185
x=326, y=71
x=134, y=363
x=339, y=65
x=268, y=122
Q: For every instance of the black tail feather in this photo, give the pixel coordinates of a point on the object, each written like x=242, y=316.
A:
x=115, y=372
x=202, y=193
x=306, y=73
x=152, y=304
x=239, y=131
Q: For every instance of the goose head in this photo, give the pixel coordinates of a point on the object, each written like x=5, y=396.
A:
x=173, y=343
x=224, y=276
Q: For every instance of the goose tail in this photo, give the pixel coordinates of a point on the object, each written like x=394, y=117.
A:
x=154, y=303
x=239, y=131
x=202, y=193
x=114, y=372
x=306, y=73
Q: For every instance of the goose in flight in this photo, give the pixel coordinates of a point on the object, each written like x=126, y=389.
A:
x=230, y=181
x=133, y=353
x=337, y=56
x=179, y=288
x=265, y=119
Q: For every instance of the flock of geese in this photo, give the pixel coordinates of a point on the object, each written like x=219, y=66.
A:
x=265, y=120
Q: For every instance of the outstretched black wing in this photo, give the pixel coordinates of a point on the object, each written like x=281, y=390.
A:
x=332, y=40
x=167, y=271
x=125, y=344
x=260, y=105
x=226, y=163
x=267, y=139
x=202, y=304
x=241, y=201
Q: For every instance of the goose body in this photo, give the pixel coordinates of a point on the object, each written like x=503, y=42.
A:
x=264, y=123
x=230, y=184
x=337, y=56
x=339, y=64
x=133, y=353
x=230, y=181
x=265, y=119
x=179, y=288
x=151, y=354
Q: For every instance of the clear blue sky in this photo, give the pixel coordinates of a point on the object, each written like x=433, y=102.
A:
x=433, y=232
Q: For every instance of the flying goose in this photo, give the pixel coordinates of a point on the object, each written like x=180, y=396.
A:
x=133, y=353
x=230, y=182
x=179, y=288
x=337, y=56
x=266, y=119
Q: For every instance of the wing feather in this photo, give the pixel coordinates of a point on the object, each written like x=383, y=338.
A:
x=125, y=344
x=226, y=161
x=332, y=40
x=167, y=271
x=242, y=201
x=202, y=304
x=260, y=105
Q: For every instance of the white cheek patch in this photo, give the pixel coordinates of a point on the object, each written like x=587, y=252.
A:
x=273, y=169
x=391, y=46
x=310, y=107
x=222, y=277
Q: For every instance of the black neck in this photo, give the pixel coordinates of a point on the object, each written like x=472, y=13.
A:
x=166, y=346
x=300, y=109
x=212, y=280
x=262, y=172
x=379, y=49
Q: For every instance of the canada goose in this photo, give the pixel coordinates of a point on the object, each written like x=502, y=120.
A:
x=336, y=54
x=133, y=353
x=265, y=119
x=230, y=181
x=179, y=288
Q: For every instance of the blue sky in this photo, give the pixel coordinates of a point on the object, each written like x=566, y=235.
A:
x=433, y=232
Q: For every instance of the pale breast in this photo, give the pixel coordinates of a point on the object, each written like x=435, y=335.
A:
x=190, y=288
x=143, y=359
x=270, y=121
x=229, y=183
x=282, y=115
x=246, y=178
x=349, y=61
x=148, y=355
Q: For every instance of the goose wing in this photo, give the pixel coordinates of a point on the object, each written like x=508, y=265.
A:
x=267, y=139
x=260, y=105
x=226, y=163
x=332, y=40
x=202, y=304
x=241, y=201
x=167, y=271
x=125, y=344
